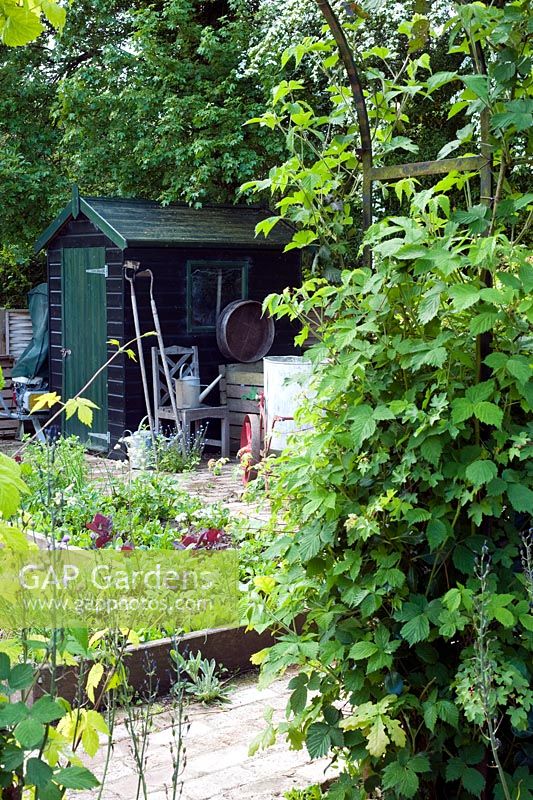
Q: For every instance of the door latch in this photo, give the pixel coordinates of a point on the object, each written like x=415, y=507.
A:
x=65, y=352
x=99, y=271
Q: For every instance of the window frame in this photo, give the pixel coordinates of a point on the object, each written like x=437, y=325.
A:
x=213, y=263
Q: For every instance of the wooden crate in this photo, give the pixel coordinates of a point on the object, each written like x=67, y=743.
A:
x=8, y=427
x=17, y=331
x=240, y=387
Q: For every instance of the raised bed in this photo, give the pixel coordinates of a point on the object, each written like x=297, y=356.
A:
x=230, y=647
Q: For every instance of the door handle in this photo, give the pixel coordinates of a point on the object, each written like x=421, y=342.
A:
x=65, y=352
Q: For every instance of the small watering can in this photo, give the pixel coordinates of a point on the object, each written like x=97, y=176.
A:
x=139, y=448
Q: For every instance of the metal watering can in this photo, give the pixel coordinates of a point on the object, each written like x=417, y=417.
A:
x=139, y=448
x=187, y=387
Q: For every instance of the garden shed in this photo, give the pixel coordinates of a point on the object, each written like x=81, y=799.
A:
x=87, y=246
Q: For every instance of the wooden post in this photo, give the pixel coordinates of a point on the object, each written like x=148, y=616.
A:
x=361, y=111
x=3, y=342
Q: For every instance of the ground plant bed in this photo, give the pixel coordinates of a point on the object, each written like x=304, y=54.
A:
x=70, y=509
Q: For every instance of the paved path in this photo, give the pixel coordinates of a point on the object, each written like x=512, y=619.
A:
x=218, y=766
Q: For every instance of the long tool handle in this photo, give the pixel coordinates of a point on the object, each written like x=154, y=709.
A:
x=141, y=358
x=168, y=379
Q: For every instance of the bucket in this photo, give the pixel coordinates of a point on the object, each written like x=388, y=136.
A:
x=286, y=385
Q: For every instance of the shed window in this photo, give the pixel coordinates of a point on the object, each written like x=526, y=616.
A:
x=211, y=285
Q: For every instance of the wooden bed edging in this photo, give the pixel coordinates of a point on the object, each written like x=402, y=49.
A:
x=230, y=647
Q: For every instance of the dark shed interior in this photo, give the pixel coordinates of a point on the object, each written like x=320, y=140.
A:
x=185, y=248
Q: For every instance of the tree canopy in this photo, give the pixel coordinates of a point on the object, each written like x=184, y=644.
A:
x=151, y=100
x=133, y=100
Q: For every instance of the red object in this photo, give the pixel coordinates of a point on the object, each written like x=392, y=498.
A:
x=211, y=535
x=103, y=526
x=250, y=449
x=205, y=539
x=100, y=524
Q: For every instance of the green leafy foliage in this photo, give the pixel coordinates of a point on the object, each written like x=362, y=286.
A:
x=25, y=724
x=402, y=775
x=130, y=95
x=309, y=793
x=20, y=22
x=175, y=456
x=135, y=94
x=12, y=487
x=146, y=511
x=397, y=491
x=414, y=450
x=202, y=677
x=25, y=727
x=38, y=773
x=75, y=778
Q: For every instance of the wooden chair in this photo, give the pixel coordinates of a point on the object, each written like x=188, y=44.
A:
x=12, y=419
x=177, y=358
x=21, y=417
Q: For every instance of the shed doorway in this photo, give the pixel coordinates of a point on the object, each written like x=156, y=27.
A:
x=85, y=338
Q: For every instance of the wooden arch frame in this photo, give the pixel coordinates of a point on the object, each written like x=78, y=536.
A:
x=481, y=163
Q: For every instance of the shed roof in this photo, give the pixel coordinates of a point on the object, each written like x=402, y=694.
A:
x=141, y=223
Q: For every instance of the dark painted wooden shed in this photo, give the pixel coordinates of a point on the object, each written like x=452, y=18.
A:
x=87, y=245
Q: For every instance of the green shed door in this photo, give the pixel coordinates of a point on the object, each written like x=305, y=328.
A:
x=85, y=337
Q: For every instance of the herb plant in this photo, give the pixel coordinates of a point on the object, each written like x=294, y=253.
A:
x=199, y=678
x=173, y=456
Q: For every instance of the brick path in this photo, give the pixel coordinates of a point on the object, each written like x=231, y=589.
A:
x=226, y=488
x=218, y=765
